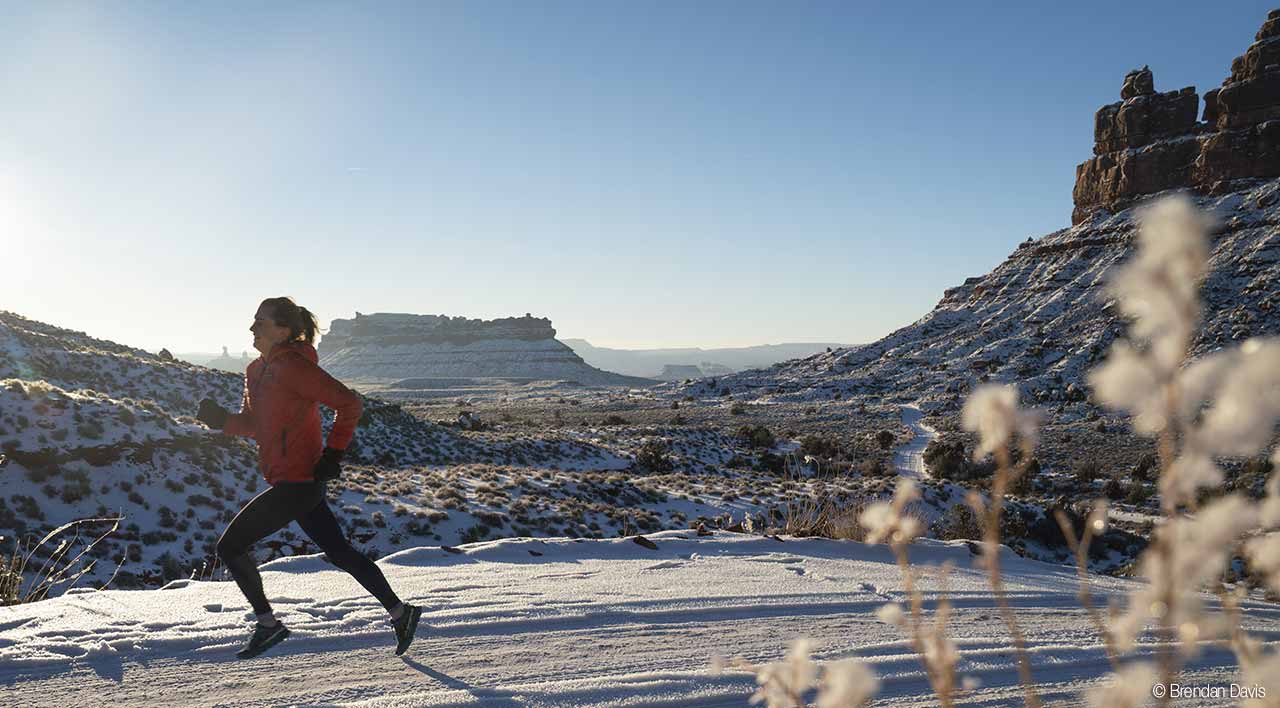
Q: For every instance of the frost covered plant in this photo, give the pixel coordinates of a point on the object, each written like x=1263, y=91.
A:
x=993, y=413
x=1096, y=524
x=1128, y=688
x=1224, y=404
x=891, y=522
x=1196, y=552
x=848, y=683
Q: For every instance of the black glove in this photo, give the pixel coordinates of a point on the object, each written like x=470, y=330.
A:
x=212, y=414
x=329, y=467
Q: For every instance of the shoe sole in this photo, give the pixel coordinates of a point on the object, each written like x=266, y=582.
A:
x=272, y=641
x=403, y=645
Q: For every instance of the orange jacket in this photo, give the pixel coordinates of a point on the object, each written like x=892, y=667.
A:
x=280, y=411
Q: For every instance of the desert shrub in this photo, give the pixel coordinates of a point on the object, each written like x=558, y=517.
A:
x=885, y=439
x=1026, y=481
x=479, y=532
x=1252, y=478
x=38, y=474
x=1085, y=471
x=653, y=456
x=818, y=447
x=876, y=467
x=957, y=522
x=170, y=568
x=28, y=507
x=769, y=462
x=738, y=408
x=614, y=419
x=1138, y=494
x=73, y=492
x=947, y=458
x=757, y=436
x=491, y=518
x=1147, y=468
x=1113, y=488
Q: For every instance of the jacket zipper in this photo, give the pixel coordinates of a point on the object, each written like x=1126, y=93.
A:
x=284, y=442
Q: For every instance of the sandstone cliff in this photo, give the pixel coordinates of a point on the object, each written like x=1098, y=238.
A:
x=423, y=350
x=1149, y=141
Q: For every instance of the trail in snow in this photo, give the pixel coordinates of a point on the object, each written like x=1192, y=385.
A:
x=557, y=622
x=908, y=459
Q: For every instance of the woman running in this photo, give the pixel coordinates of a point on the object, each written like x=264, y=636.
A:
x=282, y=389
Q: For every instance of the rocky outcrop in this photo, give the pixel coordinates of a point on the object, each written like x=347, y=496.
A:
x=396, y=328
x=430, y=351
x=1149, y=142
x=679, y=372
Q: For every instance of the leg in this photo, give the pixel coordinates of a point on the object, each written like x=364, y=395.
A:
x=322, y=527
x=265, y=514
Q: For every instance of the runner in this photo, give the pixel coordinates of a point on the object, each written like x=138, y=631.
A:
x=282, y=389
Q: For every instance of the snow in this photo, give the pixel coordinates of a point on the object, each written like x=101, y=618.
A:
x=557, y=622
x=908, y=459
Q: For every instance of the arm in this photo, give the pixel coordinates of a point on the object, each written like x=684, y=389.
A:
x=310, y=381
x=242, y=423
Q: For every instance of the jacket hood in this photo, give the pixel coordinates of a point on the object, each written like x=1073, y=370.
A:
x=301, y=348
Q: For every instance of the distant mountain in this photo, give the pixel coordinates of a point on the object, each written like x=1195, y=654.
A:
x=418, y=351
x=223, y=362
x=709, y=362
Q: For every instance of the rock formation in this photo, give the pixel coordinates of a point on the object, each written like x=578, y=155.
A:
x=1149, y=142
x=427, y=351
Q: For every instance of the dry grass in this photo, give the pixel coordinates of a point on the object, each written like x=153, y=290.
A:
x=59, y=569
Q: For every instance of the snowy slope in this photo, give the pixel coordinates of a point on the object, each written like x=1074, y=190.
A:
x=1041, y=318
x=557, y=622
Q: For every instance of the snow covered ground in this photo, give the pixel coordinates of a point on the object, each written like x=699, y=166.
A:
x=908, y=460
x=557, y=622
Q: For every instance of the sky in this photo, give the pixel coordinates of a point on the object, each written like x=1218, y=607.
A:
x=644, y=174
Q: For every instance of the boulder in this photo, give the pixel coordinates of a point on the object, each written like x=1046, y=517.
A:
x=1139, y=82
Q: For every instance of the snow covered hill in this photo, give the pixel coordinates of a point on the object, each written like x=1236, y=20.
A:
x=1040, y=319
x=560, y=622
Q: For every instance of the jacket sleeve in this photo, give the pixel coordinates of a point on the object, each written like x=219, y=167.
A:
x=308, y=380
x=242, y=423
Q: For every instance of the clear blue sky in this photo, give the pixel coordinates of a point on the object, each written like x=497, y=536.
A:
x=643, y=173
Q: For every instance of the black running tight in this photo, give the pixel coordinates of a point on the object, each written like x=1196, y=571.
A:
x=271, y=511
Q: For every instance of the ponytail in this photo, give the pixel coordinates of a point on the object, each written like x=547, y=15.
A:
x=301, y=322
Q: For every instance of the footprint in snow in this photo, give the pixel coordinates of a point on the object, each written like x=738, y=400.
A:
x=874, y=590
